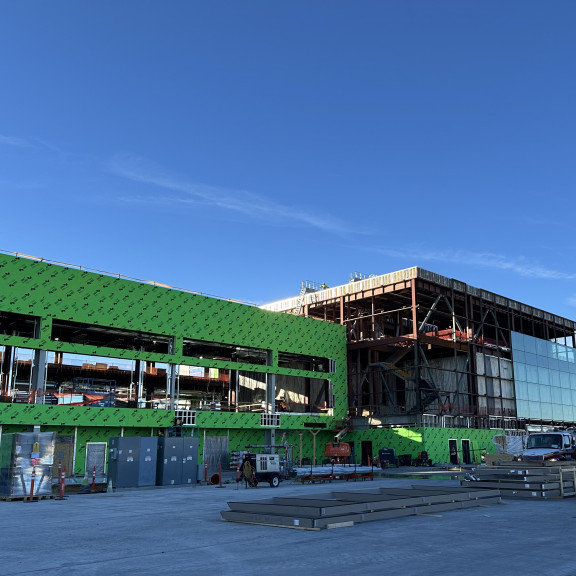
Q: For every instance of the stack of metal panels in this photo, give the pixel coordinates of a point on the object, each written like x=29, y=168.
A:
x=26, y=457
x=526, y=480
x=340, y=509
x=319, y=473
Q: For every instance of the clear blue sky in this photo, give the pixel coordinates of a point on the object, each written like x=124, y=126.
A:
x=240, y=147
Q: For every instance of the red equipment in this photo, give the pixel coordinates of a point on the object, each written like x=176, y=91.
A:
x=339, y=451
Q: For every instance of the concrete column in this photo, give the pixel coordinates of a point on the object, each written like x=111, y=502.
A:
x=270, y=436
x=139, y=373
x=38, y=378
x=172, y=373
x=270, y=386
x=6, y=370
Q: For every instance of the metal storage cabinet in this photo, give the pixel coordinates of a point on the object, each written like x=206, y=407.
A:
x=132, y=461
x=169, y=467
x=147, y=461
x=123, y=456
x=189, y=460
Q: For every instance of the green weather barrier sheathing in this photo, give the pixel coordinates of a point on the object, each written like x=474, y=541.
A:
x=84, y=416
x=435, y=441
x=245, y=429
x=94, y=416
x=52, y=292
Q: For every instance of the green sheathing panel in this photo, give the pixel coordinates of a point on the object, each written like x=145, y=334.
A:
x=51, y=291
x=302, y=441
x=403, y=440
x=85, y=435
x=432, y=440
x=54, y=292
x=88, y=416
x=480, y=441
x=217, y=419
x=86, y=424
x=309, y=444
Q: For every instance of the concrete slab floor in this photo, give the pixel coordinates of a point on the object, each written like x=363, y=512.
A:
x=178, y=530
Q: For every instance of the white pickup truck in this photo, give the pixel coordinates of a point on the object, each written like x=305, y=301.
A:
x=550, y=446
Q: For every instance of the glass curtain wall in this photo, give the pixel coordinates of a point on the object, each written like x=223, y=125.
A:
x=545, y=379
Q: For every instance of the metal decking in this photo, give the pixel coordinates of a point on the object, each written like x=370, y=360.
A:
x=340, y=509
x=527, y=479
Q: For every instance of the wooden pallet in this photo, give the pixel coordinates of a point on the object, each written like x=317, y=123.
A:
x=35, y=498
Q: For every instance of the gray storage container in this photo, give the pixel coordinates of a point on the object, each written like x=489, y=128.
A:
x=147, y=461
x=169, y=466
x=132, y=461
x=190, y=461
x=177, y=461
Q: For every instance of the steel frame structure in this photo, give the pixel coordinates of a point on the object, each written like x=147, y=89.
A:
x=423, y=347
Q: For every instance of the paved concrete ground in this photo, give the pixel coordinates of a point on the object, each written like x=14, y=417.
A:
x=179, y=531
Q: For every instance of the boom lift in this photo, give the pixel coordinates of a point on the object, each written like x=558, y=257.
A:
x=337, y=450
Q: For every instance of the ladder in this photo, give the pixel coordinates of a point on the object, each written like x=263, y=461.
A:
x=306, y=288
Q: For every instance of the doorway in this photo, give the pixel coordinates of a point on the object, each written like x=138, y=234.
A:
x=352, y=457
x=466, y=452
x=95, y=458
x=453, y=451
x=367, y=456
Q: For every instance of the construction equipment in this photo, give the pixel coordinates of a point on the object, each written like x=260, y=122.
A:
x=387, y=457
x=273, y=466
x=422, y=459
x=337, y=450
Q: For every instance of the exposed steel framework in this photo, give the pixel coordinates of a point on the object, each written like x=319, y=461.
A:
x=423, y=348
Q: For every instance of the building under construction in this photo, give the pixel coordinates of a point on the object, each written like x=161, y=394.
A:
x=410, y=363
x=426, y=350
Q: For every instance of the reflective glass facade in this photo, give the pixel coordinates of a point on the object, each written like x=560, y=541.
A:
x=545, y=379
x=495, y=386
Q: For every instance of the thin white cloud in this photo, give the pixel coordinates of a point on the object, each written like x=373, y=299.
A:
x=51, y=147
x=521, y=266
x=13, y=141
x=183, y=192
x=34, y=143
